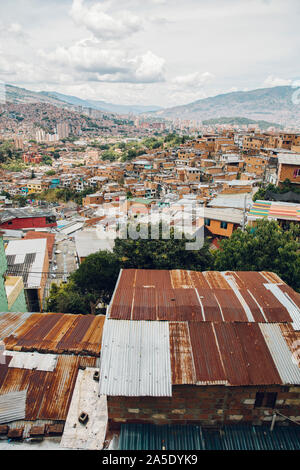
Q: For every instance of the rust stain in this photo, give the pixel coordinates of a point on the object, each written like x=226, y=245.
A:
x=58, y=333
x=183, y=371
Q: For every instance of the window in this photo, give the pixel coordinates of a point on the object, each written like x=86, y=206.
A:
x=265, y=400
x=224, y=225
x=207, y=222
x=296, y=173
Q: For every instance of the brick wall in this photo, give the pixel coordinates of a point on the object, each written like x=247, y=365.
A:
x=206, y=405
x=287, y=172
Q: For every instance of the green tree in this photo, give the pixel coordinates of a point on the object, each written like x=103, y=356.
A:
x=66, y=299
x=109, y=155
x=47, y=160
x=20, y=200
x=161, y=254
x=266, y=247
x=56, y=155
x=5, y=194
x=91, y=284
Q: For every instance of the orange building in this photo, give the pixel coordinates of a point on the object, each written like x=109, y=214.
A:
x=289, y=168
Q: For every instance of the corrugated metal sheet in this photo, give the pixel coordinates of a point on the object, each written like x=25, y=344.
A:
x=135, y=359
x=9, y=322
x=234, y=361
x=233, y=354
x=48, y=393
x=181, y=295
x=59, y=386
x=281, y=354
x=258, y=360
x=208, y=362
x=244, y=437
x=287, y=302
x=12, y=406
x=293, y=295
x=151, y=437
x=21, y=360
x=234, y=437
x=292, y=339
x=57, y=333
x=231, y=307
x=216, y=280
x=182, y=362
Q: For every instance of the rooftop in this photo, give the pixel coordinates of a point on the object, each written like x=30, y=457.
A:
x=181, y=295
x=26, y=258
x=275, y=210
x=289, y=159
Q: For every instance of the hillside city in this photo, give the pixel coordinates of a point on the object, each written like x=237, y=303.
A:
x=149, y=229
x=70, y=182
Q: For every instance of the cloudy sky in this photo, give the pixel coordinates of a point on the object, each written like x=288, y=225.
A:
x=162, y=52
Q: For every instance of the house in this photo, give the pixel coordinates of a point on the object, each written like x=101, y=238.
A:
x=12, y=297
x=289, y=168
x=16, y=219
x=50, y=237
x=29, y=259
x=91, y=241
x=285, y=213
x=201, y=348
x=222, y=222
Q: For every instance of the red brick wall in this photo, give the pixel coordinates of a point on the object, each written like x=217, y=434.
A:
x=206, y=405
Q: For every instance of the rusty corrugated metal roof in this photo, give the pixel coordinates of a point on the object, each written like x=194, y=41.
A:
x=182, y=295
x=9, y=322
x=233, y=354
x=48, y=393
x=207, y=359
x=182, y=362
x=58, y=333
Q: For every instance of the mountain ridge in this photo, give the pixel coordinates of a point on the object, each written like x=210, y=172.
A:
x=273, y=104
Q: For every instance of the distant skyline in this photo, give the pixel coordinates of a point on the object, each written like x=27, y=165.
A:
x=150, y=52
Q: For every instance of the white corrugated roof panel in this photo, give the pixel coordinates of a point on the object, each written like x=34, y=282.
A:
x=289, y=159
x=135, y=359
x=281, y=353
x=287, y=302
x=12, y=406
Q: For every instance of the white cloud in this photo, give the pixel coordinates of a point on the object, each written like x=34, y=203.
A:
x=272, y=81
x=93, y=63
x=12, y=30
x=193, y=80
x=102, y=24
